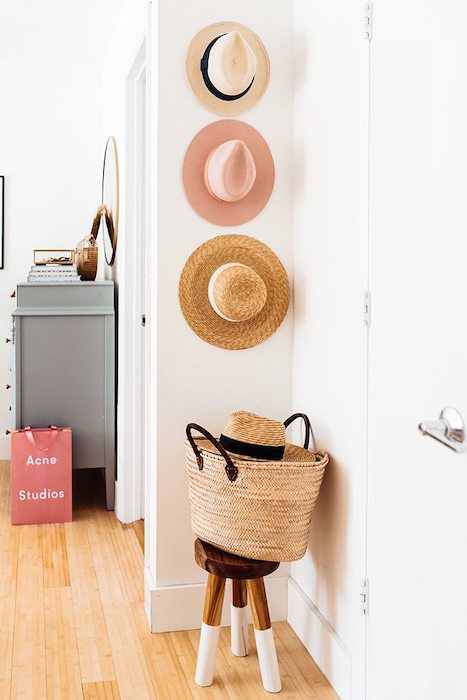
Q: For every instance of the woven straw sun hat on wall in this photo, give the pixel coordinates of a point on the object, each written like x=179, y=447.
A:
x=227, y=67
x=234, y=291
x=228, y=172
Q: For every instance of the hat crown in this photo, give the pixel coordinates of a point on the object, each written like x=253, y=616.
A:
x=230, y=171
x=239, y=293
x=251, y=435
x=250, y=427
x=232, y=64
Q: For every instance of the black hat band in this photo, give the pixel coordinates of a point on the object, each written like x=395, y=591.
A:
x=212, y=88
x=249, y=449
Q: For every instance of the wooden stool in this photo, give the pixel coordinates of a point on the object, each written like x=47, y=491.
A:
x=247, y=581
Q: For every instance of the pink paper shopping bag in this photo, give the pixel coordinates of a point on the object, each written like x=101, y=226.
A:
x=41, y=475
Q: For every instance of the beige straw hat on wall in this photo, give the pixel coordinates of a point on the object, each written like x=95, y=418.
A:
x=234, y=291
x=227, y=67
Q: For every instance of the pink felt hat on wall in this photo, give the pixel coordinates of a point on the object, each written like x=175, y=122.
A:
x=228, y=173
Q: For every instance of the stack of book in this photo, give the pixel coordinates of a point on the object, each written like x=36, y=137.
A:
x=53, y=273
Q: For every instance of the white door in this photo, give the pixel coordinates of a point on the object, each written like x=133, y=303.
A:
x=134, y=364
x=417, y=548
x=143, y=275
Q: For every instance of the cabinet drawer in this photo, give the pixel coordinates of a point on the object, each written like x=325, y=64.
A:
x=89, y=296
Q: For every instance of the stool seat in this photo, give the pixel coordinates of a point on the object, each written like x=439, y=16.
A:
x=225, y=565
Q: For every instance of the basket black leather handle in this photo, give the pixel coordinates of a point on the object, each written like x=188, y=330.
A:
x=230, y=469
x=308, y=428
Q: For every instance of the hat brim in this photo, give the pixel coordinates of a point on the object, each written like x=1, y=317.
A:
x=202, y=201
x=195, y=52
x=194, y=291
x=293, y=454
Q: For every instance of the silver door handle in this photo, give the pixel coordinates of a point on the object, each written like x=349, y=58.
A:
x=448, y=429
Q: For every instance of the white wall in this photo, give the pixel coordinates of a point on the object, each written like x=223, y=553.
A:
x=329, y=362
x=121, y=50
x=196, y=381
x=50, y=138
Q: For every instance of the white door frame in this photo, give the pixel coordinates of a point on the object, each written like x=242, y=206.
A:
x=150, y=484
x=130, y=501
x=131, y=452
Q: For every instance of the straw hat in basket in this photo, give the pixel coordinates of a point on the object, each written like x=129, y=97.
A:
x=251, y=492
x=234, y=291
x=227, y=67
x=228, y=172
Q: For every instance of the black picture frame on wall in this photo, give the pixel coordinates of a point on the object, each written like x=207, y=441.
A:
x=2, y=221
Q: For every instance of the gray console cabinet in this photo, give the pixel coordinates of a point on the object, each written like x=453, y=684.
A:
x=64, y=367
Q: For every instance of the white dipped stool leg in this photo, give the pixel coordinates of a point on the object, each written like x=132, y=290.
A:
x=264, y=637
x=239, y=631
x=239, y=619
x=209, y=638
x=267, y=658
x=207, y=652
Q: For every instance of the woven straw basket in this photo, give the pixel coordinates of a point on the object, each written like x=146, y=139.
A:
x=255, y=509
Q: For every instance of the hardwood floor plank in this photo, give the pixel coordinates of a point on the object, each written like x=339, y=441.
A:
x=232, y=673
x=61, y=646
x=29, y=661
x=105, y=690
x=9, y=548
x=307, y=666
x=7, y=618
x=129, y=555
x=240, y=675
x=138, y=527
x=54, y=555
x=304, y=684
x=132, y=674
x=162, y=661
x=187, y=655
x=93, y=640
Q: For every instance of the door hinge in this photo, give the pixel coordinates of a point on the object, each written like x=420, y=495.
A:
x=368, y=21
x=366, y=308
x=364, y=596
x=143, y=320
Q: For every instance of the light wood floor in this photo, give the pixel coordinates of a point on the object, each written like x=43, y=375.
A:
x=72, y=622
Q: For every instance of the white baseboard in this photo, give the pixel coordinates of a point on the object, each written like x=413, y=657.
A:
x=4, y=447
x=149, y=588
x=175, y=608
x=320, y=639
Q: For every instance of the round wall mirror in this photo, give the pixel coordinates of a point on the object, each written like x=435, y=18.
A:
x=110, y=200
